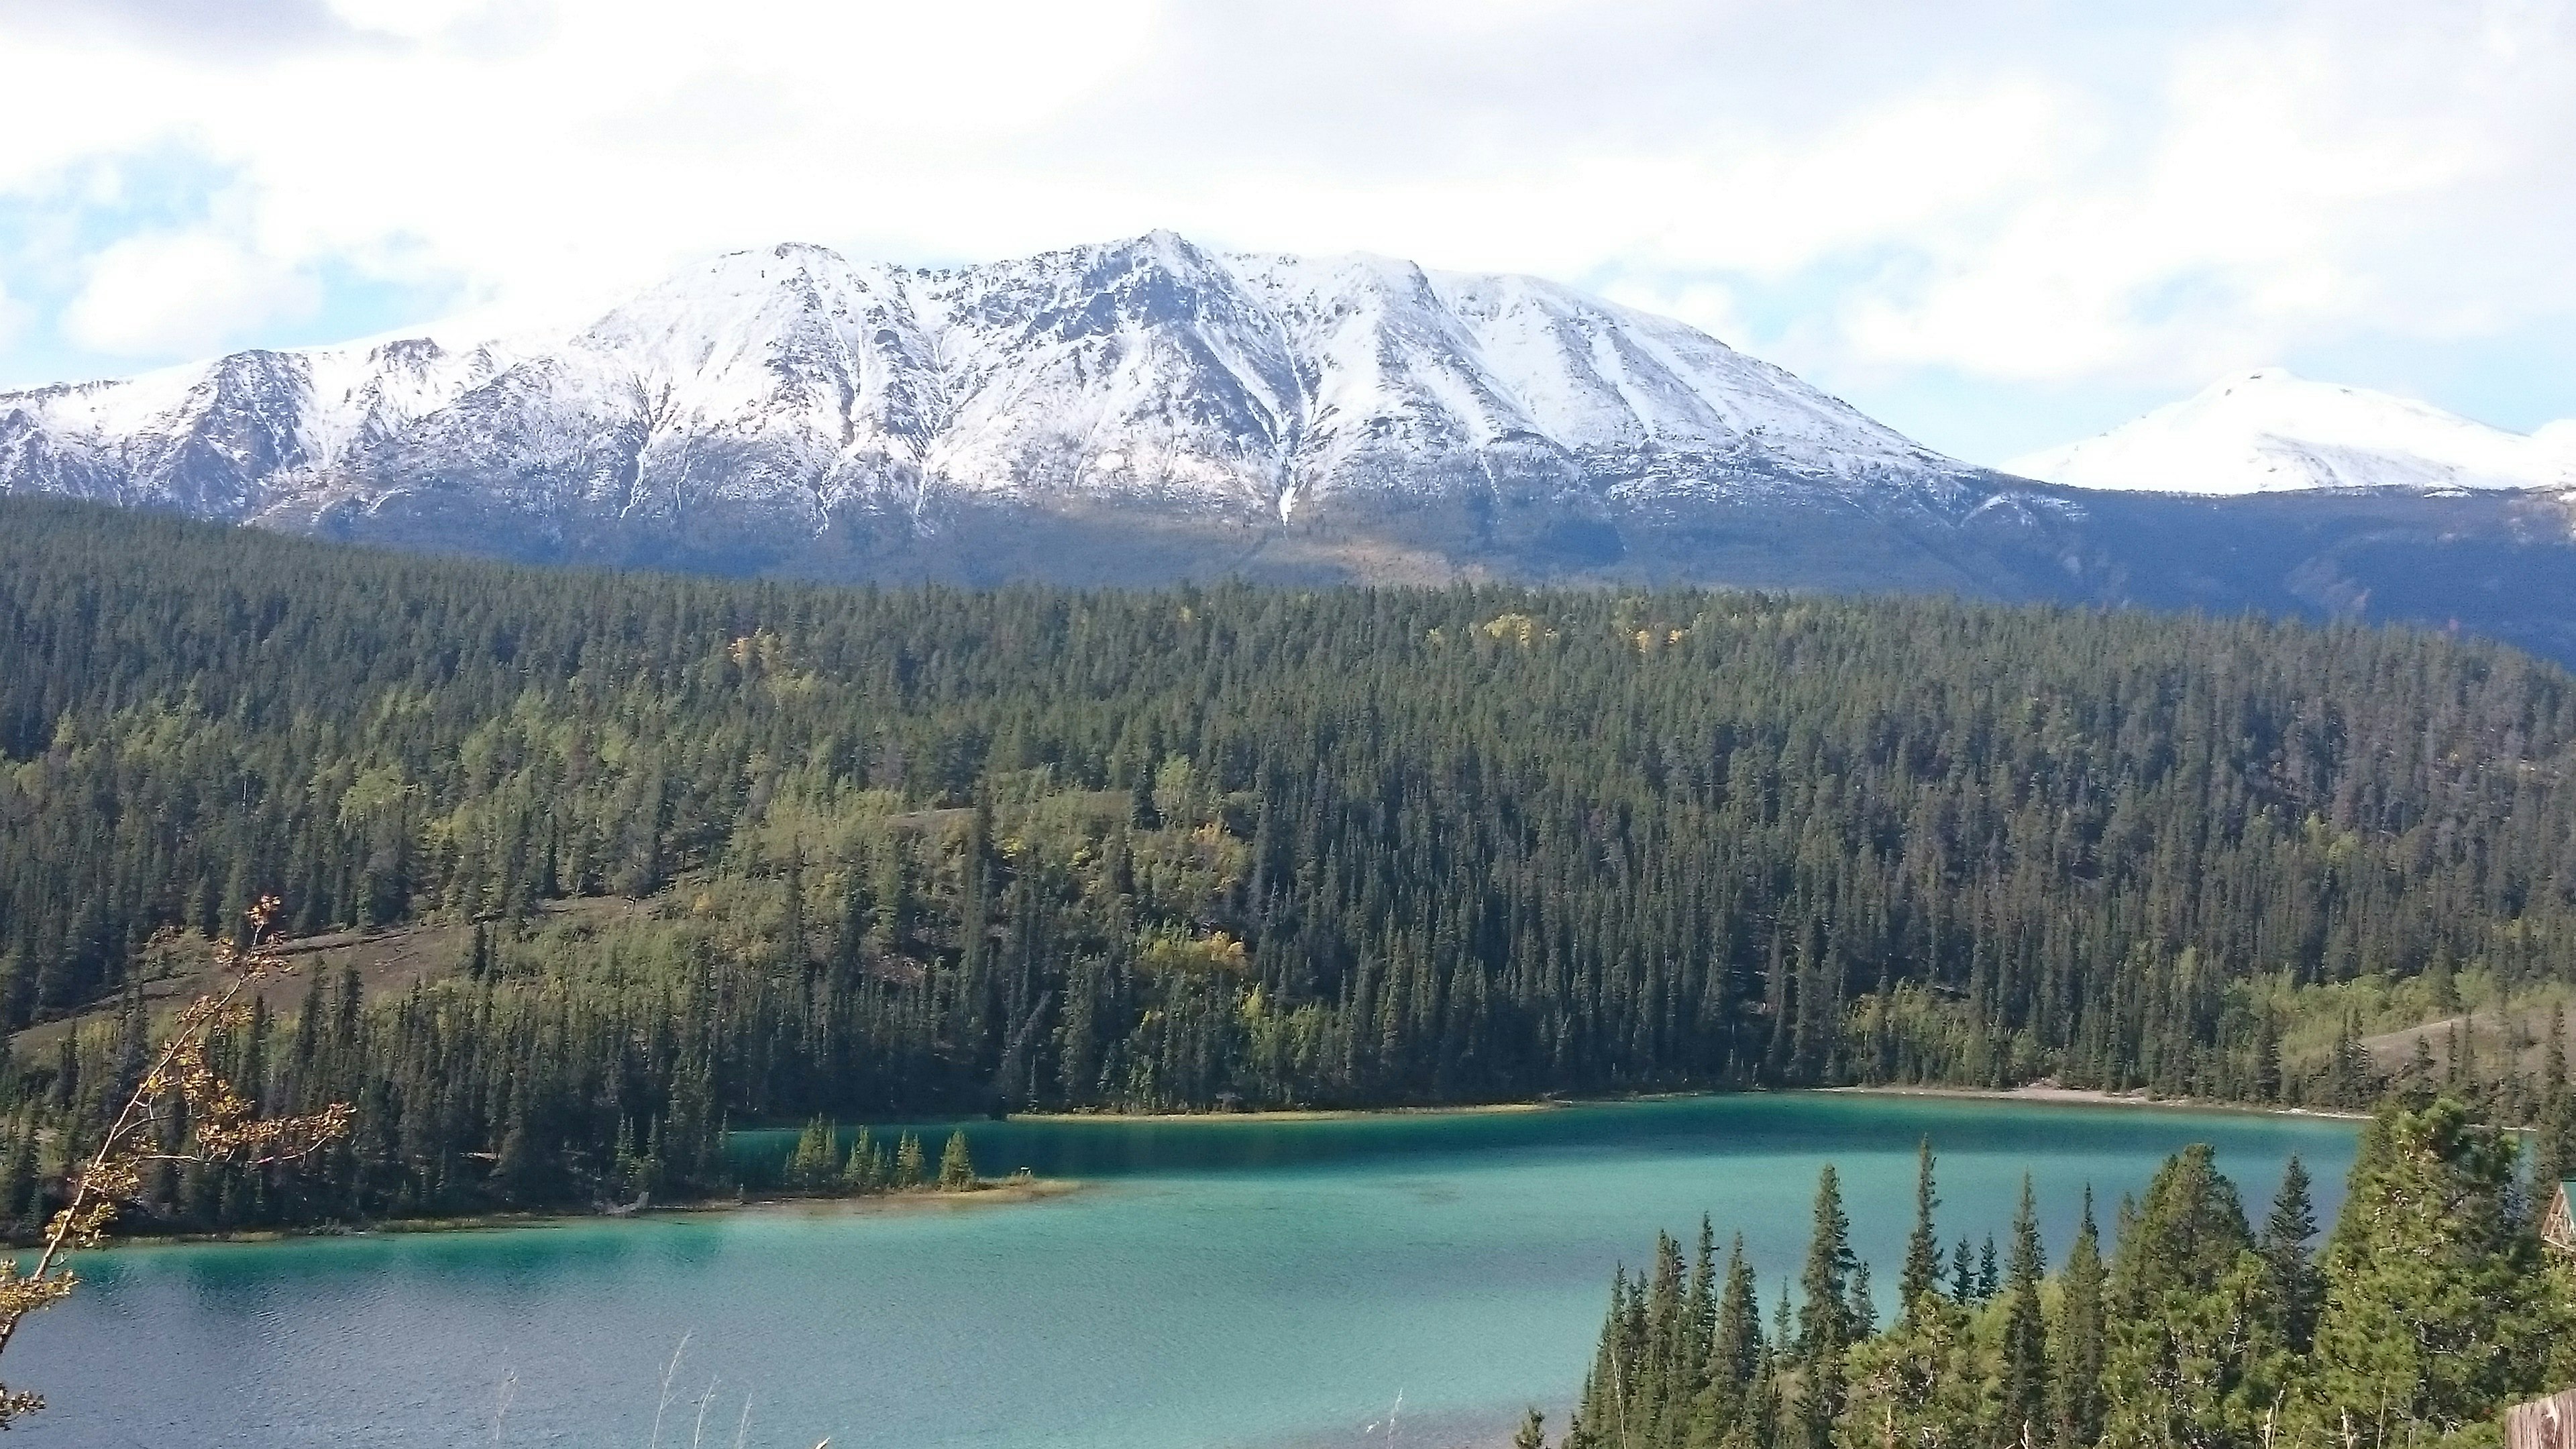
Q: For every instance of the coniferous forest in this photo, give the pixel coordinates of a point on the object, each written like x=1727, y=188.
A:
x=2426, y=1310
x=863, y=854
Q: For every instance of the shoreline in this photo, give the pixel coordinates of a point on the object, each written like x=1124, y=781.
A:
x=2095, y=1097
x=2045, y=1095
x=1003, y=1193
x=1334, y=1114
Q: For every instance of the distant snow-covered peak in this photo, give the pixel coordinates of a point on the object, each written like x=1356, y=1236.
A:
x=2270, y=431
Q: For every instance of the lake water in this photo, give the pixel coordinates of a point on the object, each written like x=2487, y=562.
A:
x=1262, y=1285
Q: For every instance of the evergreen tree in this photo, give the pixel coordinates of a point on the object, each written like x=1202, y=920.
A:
x=2553, y=1148
x=2436, y=1318
x=1923, y=1249
x=865, y=1170
x=2436, y=1309
x=2193, y=1353
x=1825, y=1326
x=2080, y=1338
x=1921, y=1383
x=1727, y=1403
x=2286, y=1235
x=956, y=1167
x=815, y=1163
x=2023, y=1417
x=1863, y=1316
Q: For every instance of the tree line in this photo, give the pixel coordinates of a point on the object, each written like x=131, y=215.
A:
x=899, y=853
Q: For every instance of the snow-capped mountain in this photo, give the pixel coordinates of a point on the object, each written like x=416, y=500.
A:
x=2268, y=432
x=780, y=390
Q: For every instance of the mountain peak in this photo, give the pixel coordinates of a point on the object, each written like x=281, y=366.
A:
x=2269, y=430
x=788, y=385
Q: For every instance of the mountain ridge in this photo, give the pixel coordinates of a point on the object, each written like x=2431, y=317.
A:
x=1146, y=411
x=790, y=383
x=2270, y=431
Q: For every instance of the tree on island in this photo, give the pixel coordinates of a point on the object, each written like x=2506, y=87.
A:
x=956, y=1168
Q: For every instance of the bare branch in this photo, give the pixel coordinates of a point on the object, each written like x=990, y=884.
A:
x=180, y=1084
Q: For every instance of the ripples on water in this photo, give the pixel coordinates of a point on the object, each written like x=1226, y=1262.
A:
x=1218, y=1283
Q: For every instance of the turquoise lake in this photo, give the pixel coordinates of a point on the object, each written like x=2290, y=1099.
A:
x=1216, y=1285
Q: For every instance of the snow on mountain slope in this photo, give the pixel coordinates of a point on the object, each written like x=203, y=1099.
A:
x=2267, y=431
x=1138, y=368
x=782, y=386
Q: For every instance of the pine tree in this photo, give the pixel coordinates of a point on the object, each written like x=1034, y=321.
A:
x=2080, y=1342
x=815, y=1163
x=2194, y=1352
x=2480, y=1318
x=908, y=1163
x=2553, y=1147
x=1825, y=1327
x=18, y=1178
x=1735, y=1356
x=1923, y=1249
x=956, y=1167
x=2267, y=1058
x=865, y=1170
x=2023, y=1411
x=2286, y=1235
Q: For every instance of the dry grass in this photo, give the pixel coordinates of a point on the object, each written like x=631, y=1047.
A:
x=388, y=962
x=2519, y=1032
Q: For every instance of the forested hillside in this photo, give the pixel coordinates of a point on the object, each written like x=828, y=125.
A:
x=935, y=850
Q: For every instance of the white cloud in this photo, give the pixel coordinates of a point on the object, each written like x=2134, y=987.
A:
x=2303, y=180
x=407, y=19
x=182, y=293
x=1992, y=188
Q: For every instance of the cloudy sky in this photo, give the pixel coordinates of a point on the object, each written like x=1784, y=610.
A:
x=1996, y=224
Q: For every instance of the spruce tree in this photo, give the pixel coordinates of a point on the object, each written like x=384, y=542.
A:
x=1825, y=1326
x=2080, y=1340
x=1735, y=1355
x=956, y=1166
x=2023, y=1409
x=2553, y=1146
x=2267, y=1058
x=865, y=1170
x=1863, y=1316
x=1923, y=1249
x=2286, y=1235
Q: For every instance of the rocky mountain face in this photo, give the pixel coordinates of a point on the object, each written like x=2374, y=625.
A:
x=766, y=398
x=1145, y=411
x=2270, y=432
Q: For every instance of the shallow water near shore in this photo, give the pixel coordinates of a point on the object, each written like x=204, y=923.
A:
x=1257, y=1284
